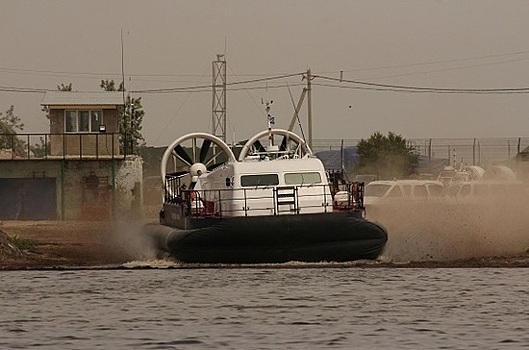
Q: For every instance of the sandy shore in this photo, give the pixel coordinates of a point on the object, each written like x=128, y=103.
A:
x=62, y=245
x=56, y=244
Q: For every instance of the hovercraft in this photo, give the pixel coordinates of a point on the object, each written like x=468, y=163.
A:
x=271, y=204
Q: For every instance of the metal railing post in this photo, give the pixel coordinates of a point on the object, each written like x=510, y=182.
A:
x=80, y=146
x=245, y=204
x=46, y=146
x=274, y=198
x=220, y=204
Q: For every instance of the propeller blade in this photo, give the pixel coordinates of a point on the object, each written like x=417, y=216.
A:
x=283, y=146
x=219, y=156
x=213, y=166
x=183, y=155
x=176, y=174
x=204, y=150
x=257, y=144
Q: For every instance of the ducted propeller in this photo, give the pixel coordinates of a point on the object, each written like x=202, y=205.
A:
x=283, y=146
x=204, y=150
x=196, y=160
x=291, y=142
x=257, y=144
x=183, y=155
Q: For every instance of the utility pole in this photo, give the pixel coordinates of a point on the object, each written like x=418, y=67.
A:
x=219, y=97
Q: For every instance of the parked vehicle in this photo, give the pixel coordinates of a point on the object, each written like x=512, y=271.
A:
x=378, y=192
x=484, y=190
x=450, y=175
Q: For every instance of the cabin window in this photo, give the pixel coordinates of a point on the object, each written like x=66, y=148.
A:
x=82, y=121
x=259, y=180
x=302, y=178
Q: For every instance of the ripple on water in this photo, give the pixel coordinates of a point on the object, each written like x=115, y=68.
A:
x=265, y=307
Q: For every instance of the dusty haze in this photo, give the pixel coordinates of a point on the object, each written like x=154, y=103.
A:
x=452, y=230
x=447, y=44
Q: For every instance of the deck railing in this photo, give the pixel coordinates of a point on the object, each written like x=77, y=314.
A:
x=253, y=201
x=83, y=146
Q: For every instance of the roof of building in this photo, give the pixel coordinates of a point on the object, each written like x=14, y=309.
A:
x=78, y=98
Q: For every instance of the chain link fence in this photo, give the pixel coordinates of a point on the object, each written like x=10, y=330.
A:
x=469, y=151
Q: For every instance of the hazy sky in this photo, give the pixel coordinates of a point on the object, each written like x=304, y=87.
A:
x=464, y=44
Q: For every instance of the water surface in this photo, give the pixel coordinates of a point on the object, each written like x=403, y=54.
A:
x=332, y=308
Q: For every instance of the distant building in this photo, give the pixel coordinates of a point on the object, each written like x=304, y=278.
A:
x=78, y=171
x=83, y=123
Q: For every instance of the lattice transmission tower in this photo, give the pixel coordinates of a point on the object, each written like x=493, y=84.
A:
x=219, y=98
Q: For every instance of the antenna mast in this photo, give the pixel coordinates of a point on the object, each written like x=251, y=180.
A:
x=309, y=104
x=219, y=97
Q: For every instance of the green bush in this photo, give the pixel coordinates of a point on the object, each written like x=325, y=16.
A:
x=21, y=243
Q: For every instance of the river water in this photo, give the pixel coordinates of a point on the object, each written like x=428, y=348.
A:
x=265, y=308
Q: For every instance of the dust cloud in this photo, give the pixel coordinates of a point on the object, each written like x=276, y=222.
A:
x=449, y=229
x=444, y=229
x=127, y=242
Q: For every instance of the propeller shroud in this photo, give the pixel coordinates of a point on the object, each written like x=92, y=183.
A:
x=195, y=161
x=291, y=144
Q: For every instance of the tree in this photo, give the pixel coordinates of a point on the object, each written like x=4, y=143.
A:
x=64, y=87
x=387, y=156
x=41, y=149
x=12, y=121
x=110, y=85
x=131, y=117
x=10, y=124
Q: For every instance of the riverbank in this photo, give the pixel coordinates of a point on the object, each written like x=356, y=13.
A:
x=76, y=244
x=59, y=244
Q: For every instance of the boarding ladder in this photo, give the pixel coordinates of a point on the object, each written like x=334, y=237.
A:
x=286, y=200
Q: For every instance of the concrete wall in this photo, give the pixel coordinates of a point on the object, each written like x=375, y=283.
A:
x=86, y=189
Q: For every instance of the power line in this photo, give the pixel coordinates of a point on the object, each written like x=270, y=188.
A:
x=201, y=87
x=22, y=89
x=138, y=75
x=194, y=89
x=406, y=65
x=407, y=88
x=452, y=68
x=103, y=74
x=364, y=85
x=413, y=91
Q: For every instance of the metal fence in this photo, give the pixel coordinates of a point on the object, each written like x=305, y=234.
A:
x=470, y=151
x=61, y=146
